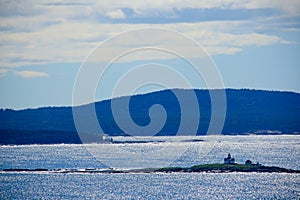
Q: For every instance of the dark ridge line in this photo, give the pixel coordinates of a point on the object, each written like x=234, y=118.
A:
x=147, y=93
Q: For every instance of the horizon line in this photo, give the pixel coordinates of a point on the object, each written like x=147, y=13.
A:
x=137, y=94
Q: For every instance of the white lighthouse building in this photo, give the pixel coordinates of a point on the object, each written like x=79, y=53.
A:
x=229, y=160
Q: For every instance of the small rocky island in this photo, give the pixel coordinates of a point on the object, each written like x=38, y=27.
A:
x=229, y=165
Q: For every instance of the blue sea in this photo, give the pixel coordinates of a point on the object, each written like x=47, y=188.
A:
x=141, y=152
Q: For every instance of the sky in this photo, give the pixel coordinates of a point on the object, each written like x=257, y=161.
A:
x=254, y=44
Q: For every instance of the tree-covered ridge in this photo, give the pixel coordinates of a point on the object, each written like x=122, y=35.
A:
x=248, y=112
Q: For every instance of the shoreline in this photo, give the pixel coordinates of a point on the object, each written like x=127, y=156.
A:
x=208, y=168
x=197, y=138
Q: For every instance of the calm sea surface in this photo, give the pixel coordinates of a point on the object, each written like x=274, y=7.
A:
x=282, y=151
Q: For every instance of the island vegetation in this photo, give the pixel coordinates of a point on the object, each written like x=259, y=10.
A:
x=225, y=167
x=222, y=168
x=209, y=168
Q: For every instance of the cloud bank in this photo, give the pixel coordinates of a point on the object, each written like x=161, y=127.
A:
x=30, y=74
x=38, y=32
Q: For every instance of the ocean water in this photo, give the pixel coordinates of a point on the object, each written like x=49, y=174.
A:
x=282, y=151
x=150, y=186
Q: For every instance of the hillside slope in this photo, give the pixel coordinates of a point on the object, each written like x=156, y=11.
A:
x=248, y=111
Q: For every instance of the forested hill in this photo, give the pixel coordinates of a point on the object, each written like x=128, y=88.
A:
x=248, y=111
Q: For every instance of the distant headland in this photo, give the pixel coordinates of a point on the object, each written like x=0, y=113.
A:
x=247, y=112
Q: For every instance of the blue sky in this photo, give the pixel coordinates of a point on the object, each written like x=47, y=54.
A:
x=254, y=44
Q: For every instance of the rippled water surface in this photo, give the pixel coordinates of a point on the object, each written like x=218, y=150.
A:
x=150, y=186
x=282, y=151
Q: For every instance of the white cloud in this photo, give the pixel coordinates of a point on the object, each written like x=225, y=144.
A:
x=90, y=7
x=116, y=14
x=210, y=38
x=291, y=7
x=67, y=32
x=30, y=74
x=72, y=41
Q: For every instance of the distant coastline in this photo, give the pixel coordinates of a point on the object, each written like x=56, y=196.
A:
x=248, y=112
x=45, y=137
